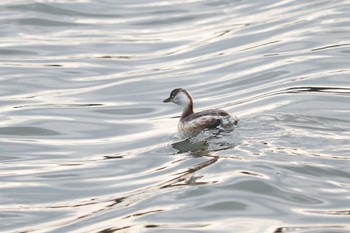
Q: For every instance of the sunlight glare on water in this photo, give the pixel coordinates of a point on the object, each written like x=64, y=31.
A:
x=86, y=144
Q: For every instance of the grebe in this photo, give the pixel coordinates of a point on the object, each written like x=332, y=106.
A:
x=192, y=123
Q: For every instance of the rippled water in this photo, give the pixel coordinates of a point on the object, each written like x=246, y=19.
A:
x=87, y=145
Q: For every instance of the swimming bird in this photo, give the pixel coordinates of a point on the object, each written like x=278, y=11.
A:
x=192, y=123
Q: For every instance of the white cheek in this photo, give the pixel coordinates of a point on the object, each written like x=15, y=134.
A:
x=175, y=100
x=181, y=99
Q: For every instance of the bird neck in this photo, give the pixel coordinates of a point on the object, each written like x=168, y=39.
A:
x=187, y=110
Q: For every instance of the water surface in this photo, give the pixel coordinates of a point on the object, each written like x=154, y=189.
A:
x=86, y=144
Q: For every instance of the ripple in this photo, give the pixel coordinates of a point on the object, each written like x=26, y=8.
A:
x=27, y=131
x=312, y=229
x=88, y=146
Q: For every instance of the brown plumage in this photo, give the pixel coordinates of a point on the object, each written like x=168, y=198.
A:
x=192, y=123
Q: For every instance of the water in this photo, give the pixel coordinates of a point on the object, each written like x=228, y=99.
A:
x=87, y=145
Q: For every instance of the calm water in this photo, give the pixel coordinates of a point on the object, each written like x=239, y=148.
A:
x=86, y=145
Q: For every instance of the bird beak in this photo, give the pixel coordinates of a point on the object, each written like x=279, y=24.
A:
x=167, y=100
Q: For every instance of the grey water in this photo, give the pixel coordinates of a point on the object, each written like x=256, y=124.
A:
x=86, y=144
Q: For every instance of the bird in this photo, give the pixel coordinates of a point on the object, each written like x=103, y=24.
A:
x=193, y=123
